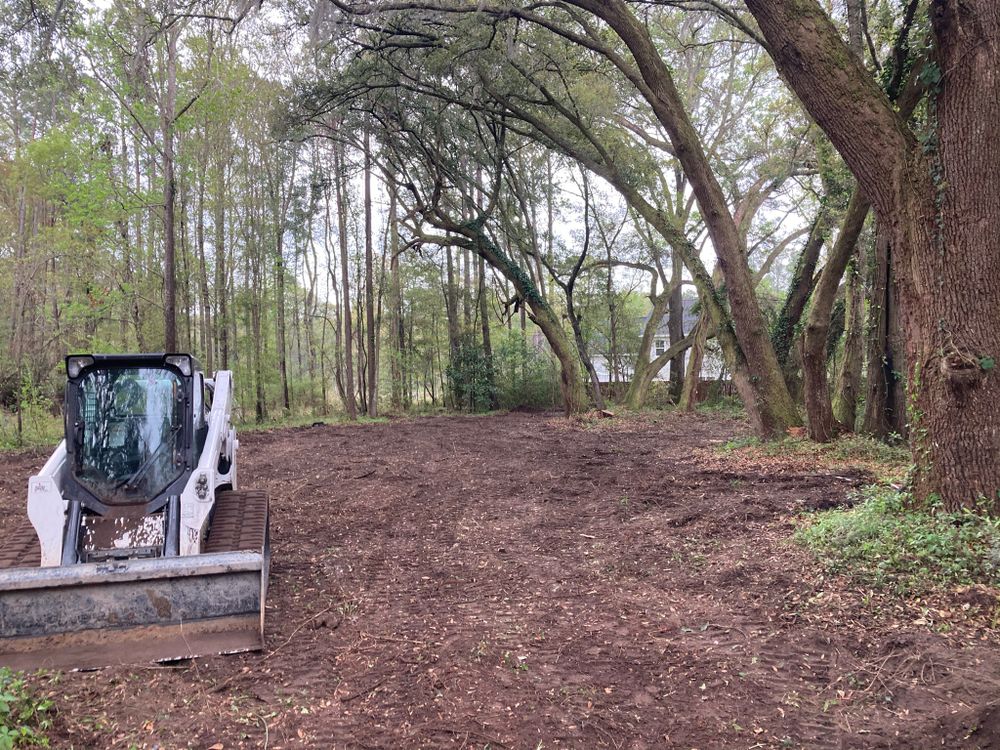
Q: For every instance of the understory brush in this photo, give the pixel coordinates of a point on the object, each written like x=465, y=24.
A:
x=24, y=717
x=38, y=427
x=884, y=542
x=889, y=463
x=726, y=406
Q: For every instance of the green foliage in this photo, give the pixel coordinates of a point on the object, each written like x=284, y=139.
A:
x=525, y=377
x=470, y=377
x=32, y=418
x=883, y=542
x=739, y=443
x=866, y=448
x=24, y=717
x=729, y=406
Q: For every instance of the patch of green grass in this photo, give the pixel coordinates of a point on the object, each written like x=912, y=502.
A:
x=38, y=428
x=303, y=421
x=884, y=543
x=866, y=448
x=728, y=406
x=739, y=443
x=24, y=717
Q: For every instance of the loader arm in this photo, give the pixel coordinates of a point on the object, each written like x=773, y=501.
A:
x=219, y=453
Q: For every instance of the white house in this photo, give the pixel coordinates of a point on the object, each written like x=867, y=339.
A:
x=712, y=366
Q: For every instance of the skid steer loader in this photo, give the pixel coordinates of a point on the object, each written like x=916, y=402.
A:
x=139, y=544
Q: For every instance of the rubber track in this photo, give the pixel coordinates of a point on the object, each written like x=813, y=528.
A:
x=239, y=522
x=20, y=549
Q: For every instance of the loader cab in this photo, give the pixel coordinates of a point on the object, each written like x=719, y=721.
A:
x=135, y=425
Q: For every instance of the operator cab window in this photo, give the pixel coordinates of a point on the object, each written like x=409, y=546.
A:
x=128, y=441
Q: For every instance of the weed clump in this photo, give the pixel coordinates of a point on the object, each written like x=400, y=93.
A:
x=24, y=717
x=884, y=542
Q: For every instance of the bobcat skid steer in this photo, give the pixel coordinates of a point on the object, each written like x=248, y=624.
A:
x=140, y=545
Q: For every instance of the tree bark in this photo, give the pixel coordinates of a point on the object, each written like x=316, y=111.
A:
x=484, y=323
x=371, y=331
x=819, y=411
x=205, y=304
x=397, y=334
x=689, y=394
x=756, y=372
x=451, y=303
x=169, y=190
x=221, y=278
x=281, y=200
x=340, y=182
x=885, y=402
x=675, y=325
x=848, y=382
x=939, y=201
x=794, y=305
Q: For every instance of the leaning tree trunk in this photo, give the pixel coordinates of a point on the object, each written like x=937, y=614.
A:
x=638, y=390
x=819, y=410
x=801, y=286
x=675, y=326
x=574, y=392
x=940, y=199
x=642, y=372
x=689, y=394
x=757, y=374
x=848, y=383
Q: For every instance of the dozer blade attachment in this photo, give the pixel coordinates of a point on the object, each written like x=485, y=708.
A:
x=98, y=614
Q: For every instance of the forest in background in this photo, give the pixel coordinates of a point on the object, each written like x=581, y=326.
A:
x=360, y=207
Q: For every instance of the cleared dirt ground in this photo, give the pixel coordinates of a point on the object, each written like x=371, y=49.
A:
x=526, y=582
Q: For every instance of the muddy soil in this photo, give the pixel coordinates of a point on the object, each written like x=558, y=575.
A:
x=521, y=581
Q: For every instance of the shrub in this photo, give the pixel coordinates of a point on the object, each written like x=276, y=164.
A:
x=33, y=419
x=885, y=543
x=470, y=377
x=23, y=716
x=525, y=377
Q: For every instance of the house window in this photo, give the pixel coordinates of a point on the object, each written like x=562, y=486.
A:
x=660, y=346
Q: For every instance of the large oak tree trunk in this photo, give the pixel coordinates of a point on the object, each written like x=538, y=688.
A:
x=940, y=200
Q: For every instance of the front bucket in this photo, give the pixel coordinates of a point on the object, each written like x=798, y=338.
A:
x=99, y=614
